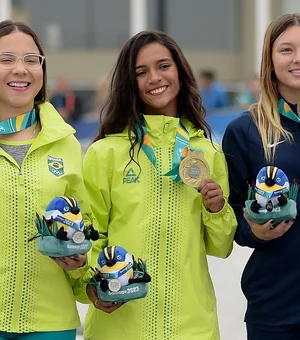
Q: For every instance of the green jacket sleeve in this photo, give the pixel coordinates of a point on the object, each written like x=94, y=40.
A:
x=99, y=198
x=97, y=184
x=219, y=227
x=76, y=189
x=79, y=289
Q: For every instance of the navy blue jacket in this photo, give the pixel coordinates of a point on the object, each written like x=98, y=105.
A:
x=271, y=278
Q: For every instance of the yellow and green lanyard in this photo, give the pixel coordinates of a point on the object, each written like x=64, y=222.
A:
x=182, y=142
x=285, y=110
x=19, y=123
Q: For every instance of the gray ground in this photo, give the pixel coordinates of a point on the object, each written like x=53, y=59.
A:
x=226, y=275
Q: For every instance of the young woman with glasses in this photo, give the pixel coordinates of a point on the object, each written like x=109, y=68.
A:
x=36, y=297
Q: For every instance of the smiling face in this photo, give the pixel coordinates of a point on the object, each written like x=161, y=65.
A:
x=286, y=63
x=157, y=80
x=18, y=86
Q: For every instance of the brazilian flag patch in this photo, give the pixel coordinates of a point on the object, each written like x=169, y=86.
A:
x=56, y=166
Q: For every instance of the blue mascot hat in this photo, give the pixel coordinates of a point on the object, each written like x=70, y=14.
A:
x=272, y=197
x=66, y=210
x=61, y=231
x=271, y=182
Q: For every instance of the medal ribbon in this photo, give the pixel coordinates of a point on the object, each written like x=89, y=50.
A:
x=272, y=194
x=182, y=142
x=118, y=273
x=18, y=123
x=67, y=222
x=285, y=110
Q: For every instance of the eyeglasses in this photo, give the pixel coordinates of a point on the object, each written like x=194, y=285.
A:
x=31, y=61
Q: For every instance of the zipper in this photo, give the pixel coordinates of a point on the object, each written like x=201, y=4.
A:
x=20, y=255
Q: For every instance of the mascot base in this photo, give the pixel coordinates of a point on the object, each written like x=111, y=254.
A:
x=52, y=246
x=278, y=214
x=132, y=291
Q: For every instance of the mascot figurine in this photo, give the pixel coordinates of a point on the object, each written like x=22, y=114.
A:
x=115, y=265
x=61, y=231
x=66, y=212
x=119, y=277
x=272, y=197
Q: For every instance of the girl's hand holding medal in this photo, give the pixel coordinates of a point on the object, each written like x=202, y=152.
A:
x=212, y=195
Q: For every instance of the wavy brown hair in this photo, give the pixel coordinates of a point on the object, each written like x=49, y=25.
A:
x=7, y=27
x=124, y=105
x=265, y=112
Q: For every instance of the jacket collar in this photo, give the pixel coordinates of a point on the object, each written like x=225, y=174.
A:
x=155, y=125
x=53, y=126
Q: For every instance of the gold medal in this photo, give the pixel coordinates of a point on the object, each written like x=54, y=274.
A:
x=193, y=169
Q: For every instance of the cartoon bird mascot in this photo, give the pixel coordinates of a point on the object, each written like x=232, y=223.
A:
x=115, y=264
x=274, y=197
x=270, y=187
x=61, y=231
x=119, y=277
x=66, y=212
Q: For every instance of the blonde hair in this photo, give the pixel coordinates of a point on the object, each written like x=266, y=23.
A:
x=265, y=113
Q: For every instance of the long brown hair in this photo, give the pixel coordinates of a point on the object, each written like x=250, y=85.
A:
x=7, y=27
x=265, y=112
x=124, y=105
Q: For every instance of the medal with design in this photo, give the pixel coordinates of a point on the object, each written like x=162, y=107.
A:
x=78, y=237
x=114, y=285
x=193, y=169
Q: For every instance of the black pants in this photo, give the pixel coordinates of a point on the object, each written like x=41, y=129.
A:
x=260, y=332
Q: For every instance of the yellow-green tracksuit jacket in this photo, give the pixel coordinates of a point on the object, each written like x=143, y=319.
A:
x=164, y=223
x=35, y=293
